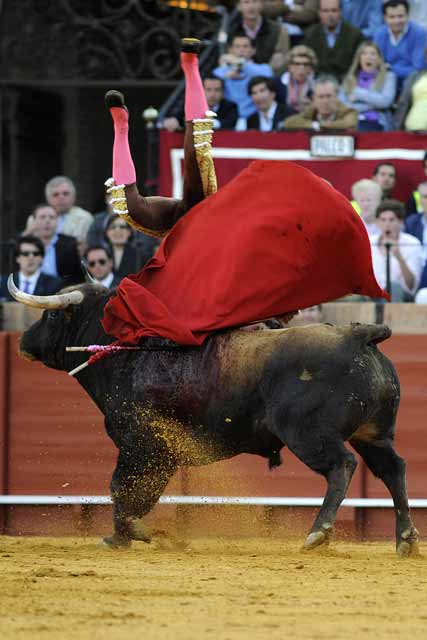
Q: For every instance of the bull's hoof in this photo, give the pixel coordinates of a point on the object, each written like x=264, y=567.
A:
x=408, y=547
x=115, y=542
x=190, y=45
x=317, y=538
x=136, y=530
x=114, y=98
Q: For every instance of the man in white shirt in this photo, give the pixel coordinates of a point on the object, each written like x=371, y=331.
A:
x=99, y=263
x=406, y=254
x=30, y=278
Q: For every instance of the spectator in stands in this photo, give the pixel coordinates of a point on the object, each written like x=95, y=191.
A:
x=370, y=89
x=402, y=42
x=146, y=246
x=414, y=203
x=295, y=86
x=270, y=114
x=99, y=261
x=236, y=69
x=366, y=15
x=296, y=15
x=416, y=223
x=225, y=110
x=270, y=39
x=96, y=233
x=73, y=221
x=29, y=277
x=125, y=256
x=367, y=196
x=326, y=111
x=334, y=40
x=385, y=174
x=406, y=254
x=61, y=256
x=418, y=12
x=411, y=109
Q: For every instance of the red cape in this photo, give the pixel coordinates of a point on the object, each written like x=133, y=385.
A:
x=275, y=239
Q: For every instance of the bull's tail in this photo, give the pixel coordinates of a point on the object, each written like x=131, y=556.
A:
x=370, y=333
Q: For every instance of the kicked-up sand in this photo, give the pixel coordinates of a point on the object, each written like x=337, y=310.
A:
x=216, y=588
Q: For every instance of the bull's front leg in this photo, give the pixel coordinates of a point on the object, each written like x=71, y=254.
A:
x=136, y=486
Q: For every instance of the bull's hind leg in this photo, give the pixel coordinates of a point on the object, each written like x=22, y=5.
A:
x=329, y=457
x=385, y=464
x=135, y=488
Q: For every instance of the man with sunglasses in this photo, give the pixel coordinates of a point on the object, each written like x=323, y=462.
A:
x=30, y=277
x=99, y=262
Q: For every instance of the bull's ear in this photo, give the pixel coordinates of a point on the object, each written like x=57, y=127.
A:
x=88, y=278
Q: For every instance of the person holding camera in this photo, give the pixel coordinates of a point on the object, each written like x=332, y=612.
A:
x=236, y=68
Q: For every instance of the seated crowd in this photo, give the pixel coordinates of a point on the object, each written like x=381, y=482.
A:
x=289, y=64
x=59, y=237
x=373, y=54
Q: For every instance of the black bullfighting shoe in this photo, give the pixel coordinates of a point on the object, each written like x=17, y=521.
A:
x=191, y=45
x=114, y=98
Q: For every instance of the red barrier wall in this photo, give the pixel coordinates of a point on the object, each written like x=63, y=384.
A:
x=4, y=417
x=57, y=445
x=235, y=150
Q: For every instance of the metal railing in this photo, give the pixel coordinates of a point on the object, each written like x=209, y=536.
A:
x=255, y=501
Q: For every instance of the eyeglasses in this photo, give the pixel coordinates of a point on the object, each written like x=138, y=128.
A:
x=101, y=261
x=118, y=226
x=301, y=64
x=29, y=253
x=61, y=193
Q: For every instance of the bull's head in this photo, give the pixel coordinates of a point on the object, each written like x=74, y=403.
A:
x=71, y=317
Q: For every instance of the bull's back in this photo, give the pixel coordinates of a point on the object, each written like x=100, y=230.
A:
x=325, y=374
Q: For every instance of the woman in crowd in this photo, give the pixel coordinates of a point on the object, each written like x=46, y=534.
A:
x=411, y=110
x=367, y=196
x=295, y=86
x=370, y=88
x=125, y=256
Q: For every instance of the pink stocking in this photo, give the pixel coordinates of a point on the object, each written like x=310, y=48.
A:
x=195, y=99
x=123, y=167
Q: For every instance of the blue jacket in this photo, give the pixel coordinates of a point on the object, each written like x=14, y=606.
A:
x=366, y=15
x=237, y=90
x=423, y=280
x=414, y=226
x=408, y=55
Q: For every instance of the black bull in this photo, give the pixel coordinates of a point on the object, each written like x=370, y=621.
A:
x=308, y=388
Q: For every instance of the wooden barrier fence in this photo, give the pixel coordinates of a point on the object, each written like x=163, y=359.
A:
x=53, y=443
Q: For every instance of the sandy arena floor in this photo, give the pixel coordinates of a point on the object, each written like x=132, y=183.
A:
x=67, y=588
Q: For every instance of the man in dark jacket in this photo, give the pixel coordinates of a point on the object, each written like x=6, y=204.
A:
x=334, y=40
x=226, y=110
x=270, y=38
x=61, y=257
x=29, y=277
x=270, y=114
x=416, y=223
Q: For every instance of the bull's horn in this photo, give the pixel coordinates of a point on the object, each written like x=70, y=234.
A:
x=88, y=277
x=58, y=301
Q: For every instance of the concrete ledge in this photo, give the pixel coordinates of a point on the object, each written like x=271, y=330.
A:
x=18, y=317
x=401, y=318
x=406, y=318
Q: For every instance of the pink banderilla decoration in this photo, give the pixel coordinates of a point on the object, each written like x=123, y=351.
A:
x=99, y=351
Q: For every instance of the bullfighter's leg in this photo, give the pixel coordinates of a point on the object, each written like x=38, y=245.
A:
x=135, y=488
x=383, y=461
x=330, y=458
x=158, y=213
